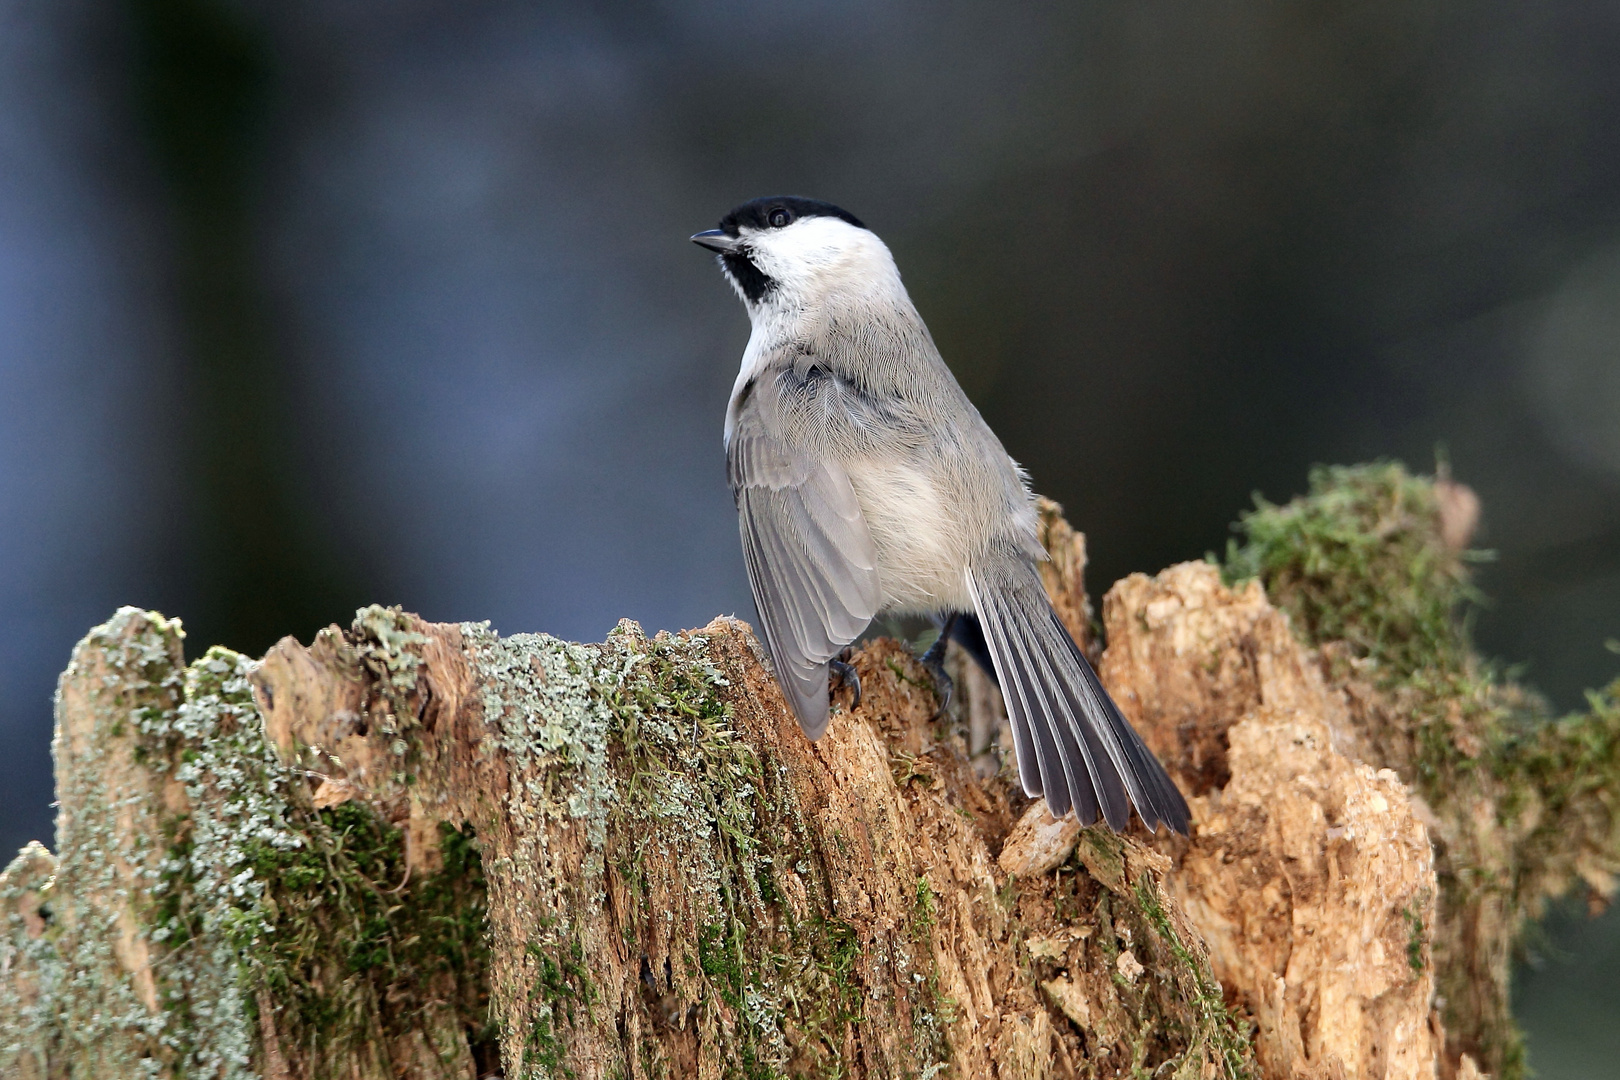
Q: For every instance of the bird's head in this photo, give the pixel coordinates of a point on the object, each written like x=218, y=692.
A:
x=787, y=253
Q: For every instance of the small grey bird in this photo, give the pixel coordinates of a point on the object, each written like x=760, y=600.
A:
x=867, y=484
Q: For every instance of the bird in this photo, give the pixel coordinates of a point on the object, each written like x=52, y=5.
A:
x=868, y=485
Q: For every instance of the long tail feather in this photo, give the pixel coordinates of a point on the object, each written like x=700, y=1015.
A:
x=1073, y=744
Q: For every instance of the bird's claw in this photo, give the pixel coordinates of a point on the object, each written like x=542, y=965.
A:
x=934, y=661
x=944, y=685
x=844, y=674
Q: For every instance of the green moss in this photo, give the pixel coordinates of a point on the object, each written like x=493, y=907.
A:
x=720, y=959
x=1170, y=1014
x=1572, y=767
x=1217, y=1035
x=1359, y=560
x=1415, y=940
x=922, y=910
x=562, y=991
x=345, y=894
x=903, y=676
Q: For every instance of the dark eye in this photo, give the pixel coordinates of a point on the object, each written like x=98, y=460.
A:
x=780, y=216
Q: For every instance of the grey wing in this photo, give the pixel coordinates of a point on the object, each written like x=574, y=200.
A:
x=810, y=558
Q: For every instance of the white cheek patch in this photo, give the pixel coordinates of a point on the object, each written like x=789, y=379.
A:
x=816, y=254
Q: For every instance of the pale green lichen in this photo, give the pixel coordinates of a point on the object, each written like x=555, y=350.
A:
x=383, y=640
x=539, y=704
x=539, y=696
x=208, y=898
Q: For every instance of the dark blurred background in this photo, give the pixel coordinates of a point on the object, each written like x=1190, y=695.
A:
x=306, y=305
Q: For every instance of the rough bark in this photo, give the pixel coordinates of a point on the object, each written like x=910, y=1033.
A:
x=423, y=850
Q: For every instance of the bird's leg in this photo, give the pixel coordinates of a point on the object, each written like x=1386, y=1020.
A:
x=934, y=661
x=843, y=673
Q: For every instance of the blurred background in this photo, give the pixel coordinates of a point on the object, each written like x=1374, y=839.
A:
x=307, y=305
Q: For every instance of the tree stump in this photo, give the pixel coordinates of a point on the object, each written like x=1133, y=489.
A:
x=425, y=850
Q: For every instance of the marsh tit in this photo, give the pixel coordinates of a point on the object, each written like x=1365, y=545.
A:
x=867, y=484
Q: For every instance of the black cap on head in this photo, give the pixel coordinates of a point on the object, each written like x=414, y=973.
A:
x=775, y=211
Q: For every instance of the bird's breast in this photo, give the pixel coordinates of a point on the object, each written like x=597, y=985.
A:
x=920, y=544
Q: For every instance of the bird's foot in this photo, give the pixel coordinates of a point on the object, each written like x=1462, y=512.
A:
x=934, y=661
x=844, y=674
x=944, y=685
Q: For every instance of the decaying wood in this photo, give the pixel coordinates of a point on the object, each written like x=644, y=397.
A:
x=1309, y=875
x=424, y=850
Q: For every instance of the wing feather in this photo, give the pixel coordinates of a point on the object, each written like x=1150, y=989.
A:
x=810, y=558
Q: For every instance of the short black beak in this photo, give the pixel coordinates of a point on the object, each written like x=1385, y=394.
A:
x=715, y=240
